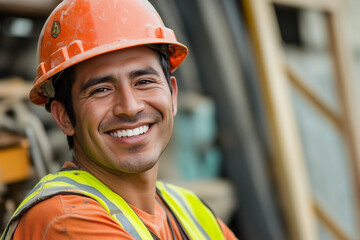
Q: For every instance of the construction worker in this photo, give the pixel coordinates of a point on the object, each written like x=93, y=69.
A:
x=105, y=75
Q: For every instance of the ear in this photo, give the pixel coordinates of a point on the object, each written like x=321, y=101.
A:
x=174, y=94
x=61, y=118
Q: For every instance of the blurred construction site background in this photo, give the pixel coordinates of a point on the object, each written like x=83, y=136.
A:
x=267, y=130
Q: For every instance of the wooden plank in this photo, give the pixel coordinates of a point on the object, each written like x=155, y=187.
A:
x=15, y=88
x=333, y=117
x=288, y=155
x=347, y=88
x=330, y=222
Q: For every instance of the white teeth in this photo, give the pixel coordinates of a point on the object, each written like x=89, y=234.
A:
x=119, y=134
x=123, y=133
x=146, y=128
x=130, y=132
x=114, y=134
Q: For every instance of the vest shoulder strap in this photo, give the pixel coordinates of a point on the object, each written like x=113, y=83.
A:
x=85, y=184
x=197, y=219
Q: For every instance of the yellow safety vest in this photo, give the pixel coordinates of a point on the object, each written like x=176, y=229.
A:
x=195, y=217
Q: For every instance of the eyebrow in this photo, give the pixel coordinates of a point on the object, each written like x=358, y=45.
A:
x=97, y=80
x=144, y=71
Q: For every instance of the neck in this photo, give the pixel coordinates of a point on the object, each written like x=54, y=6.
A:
x=137, y=189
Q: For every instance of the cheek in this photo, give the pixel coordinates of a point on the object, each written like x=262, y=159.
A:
x=90, y=115
x=163, y=102
x=164, y=105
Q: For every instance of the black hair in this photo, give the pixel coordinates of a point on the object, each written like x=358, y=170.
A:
x=64, y=81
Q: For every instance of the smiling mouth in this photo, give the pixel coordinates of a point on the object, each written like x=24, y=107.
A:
x=130, y=132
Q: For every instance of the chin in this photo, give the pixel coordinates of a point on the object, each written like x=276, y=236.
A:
x=136, y=166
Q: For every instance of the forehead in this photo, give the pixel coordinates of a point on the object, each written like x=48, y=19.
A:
x=120, y=60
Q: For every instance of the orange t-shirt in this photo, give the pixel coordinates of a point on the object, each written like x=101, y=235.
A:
x=68, y=216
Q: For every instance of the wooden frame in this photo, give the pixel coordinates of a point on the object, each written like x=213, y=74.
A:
x=300, y=207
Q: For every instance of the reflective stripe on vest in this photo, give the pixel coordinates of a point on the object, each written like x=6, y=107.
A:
x=196, y=218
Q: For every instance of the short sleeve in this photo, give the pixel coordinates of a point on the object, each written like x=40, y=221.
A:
x=229, y=235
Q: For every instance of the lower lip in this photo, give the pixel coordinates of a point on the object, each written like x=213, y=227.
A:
x=134, y=140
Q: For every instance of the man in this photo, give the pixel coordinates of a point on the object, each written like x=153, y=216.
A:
x=105, y=75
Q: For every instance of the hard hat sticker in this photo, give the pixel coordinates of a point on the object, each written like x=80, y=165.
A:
x=55, y=29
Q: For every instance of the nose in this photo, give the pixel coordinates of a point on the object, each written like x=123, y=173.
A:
x=127, y=102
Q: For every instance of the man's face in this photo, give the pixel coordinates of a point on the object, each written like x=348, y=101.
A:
x=124, y=110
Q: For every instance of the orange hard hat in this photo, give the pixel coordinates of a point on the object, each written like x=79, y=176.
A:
x=81, y=29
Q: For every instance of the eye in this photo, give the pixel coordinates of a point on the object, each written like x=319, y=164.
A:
x=99, y=90
x=143, y=82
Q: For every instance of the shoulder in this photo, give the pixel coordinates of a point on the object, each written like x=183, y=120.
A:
x=67, y=215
